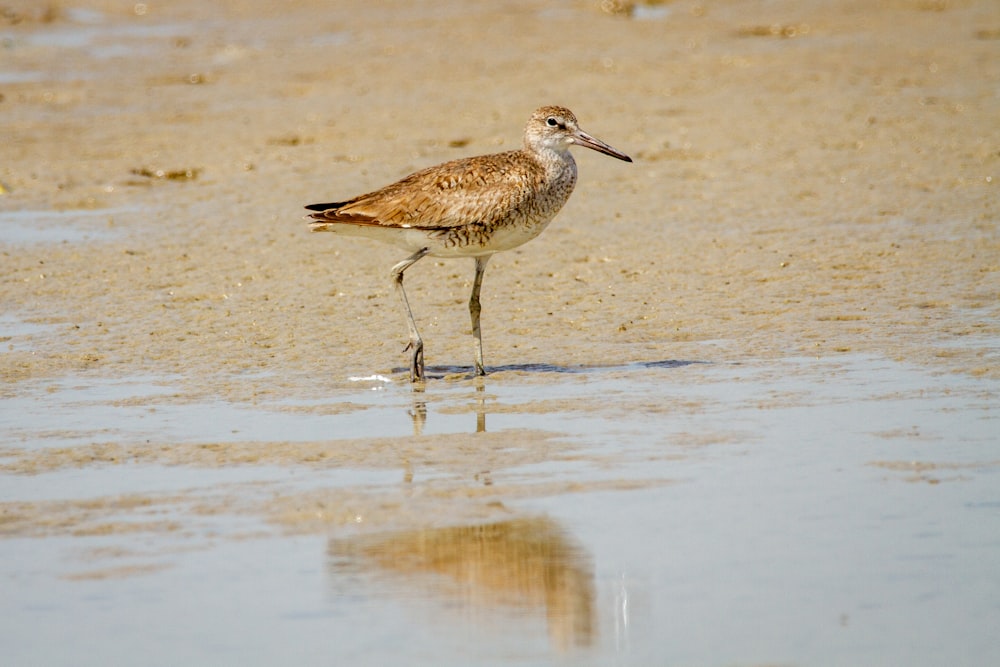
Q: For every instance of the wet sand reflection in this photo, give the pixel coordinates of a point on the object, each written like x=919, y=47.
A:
x=529, y=564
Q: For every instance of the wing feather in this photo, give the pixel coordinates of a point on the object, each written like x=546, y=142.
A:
x=480, y=189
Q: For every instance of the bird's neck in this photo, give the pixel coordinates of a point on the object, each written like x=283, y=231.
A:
x=558, y=164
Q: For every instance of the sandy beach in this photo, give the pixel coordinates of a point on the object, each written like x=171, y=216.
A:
x=827, y=188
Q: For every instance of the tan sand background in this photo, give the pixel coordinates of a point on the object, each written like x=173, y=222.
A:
x=810, y=178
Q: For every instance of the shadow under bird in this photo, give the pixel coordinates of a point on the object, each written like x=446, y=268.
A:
x=471, y=207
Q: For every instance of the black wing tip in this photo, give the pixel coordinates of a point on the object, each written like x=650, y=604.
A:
x=323, y=207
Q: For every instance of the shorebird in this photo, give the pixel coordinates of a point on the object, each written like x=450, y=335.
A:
x=471, y=207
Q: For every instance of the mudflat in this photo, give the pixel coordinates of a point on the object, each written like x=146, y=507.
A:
x=746, y=384
x=810, y=179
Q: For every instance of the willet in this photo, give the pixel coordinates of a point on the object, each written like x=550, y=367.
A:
x=472, y=207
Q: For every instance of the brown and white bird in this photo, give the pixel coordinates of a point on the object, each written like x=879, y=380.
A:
x=471, y=207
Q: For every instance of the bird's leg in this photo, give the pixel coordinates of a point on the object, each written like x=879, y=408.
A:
x=475, y=309
x=416, y=344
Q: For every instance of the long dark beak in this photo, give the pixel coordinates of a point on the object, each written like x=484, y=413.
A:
x=583, y=139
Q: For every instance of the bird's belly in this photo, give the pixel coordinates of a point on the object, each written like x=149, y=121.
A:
x=469, y=241
x=474, y=241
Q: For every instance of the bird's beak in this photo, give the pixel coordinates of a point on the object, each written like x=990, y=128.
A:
x=581, y=138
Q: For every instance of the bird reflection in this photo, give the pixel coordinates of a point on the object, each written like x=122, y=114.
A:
x=480, y=405
x=529, y=563
x=418, y=411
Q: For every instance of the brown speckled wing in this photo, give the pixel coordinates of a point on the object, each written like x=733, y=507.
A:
x=471, y=190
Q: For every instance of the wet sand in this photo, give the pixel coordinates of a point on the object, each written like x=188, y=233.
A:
x=827, y=191
x=812, y=181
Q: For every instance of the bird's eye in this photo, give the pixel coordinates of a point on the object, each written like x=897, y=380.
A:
x=551, y=122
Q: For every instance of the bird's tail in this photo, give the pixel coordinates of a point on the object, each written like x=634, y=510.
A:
x=320, y=221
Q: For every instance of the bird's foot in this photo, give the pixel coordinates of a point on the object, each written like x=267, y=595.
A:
x=416, y=361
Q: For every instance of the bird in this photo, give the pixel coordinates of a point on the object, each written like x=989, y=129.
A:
x=470, y=207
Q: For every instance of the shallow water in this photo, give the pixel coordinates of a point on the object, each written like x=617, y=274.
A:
x=808, y=511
